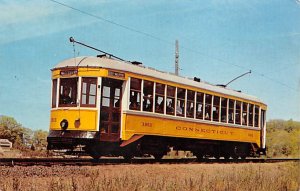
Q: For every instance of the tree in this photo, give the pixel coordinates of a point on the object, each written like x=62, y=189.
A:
x=10, y=129
x=40, y=138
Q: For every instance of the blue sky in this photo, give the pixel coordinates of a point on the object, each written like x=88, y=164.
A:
x=218, y=40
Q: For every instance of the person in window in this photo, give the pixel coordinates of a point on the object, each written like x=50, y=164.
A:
x=170, y=108
x=117, y=104
x=65, y=98
x=159, y=106
x=134, y=105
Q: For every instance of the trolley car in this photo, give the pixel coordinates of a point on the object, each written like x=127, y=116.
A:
x=111, y=107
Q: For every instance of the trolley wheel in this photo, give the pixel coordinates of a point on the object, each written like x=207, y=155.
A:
x=226, y=157
x=199, y=156
x=127, y=157
x=158, y=156
x=95, y=156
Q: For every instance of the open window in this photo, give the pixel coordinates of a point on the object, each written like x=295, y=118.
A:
x=199, y=105
x=159, y=98
x=256, y=115
x=245, y=113
x=224, y=109
x=208, y=100
x=88, y=92
x=238, y=112
x=216, y=108
x=231, y=111
x=68, y=92
x=180, y=107
x=190, y=104
x=170, y=100
x=250, y=115
x=148, y=96
x=135, y=94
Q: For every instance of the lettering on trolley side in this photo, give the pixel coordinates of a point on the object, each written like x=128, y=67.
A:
x=204, y=130
x=146, y=124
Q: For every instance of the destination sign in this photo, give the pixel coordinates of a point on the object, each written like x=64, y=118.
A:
x=68, y=72
x=116, y=74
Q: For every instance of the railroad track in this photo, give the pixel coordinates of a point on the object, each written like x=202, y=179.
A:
x=121, y=161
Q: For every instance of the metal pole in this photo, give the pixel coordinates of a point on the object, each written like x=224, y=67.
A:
x=238, y=77
x=74, y=41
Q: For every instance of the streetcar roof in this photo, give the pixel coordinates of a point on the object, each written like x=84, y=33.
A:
x=104, y=62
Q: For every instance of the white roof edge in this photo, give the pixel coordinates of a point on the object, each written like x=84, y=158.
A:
x=90, y=61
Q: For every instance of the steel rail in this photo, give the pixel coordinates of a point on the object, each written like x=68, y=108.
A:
x=121, y=161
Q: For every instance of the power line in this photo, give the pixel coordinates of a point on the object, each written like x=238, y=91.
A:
x=168, y=42
x=112, y=22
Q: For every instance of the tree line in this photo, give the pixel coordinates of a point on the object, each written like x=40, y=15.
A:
x=22, y=137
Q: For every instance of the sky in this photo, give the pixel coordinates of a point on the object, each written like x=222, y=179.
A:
x=218, y=41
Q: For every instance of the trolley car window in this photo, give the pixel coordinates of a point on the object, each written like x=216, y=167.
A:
x=256, y=115
x=238, y=112
x=250, y=115
x=190, y=104
x=231, y=111
x=216, y=108
x=223, y=109
x=54, y=92
x=199, y=105
x=117, y=98
x=148, y=96
x=135, y=94
x=180, y=107
x=244, y=114
x=88, y=92
x=208, y=100
x=159, y=98
x=105, y=96
x=68, y=92
x=170, y=100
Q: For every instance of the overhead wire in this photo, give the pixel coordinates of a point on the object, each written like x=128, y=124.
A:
x=168, y=42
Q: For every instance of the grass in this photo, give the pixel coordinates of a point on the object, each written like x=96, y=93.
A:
x=276, y=176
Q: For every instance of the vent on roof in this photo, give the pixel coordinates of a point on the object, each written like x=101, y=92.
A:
x=103, y=56
x=136, y=63
x=197, y=79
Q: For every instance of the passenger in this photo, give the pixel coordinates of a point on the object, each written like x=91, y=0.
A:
x=147, y=105
x=65, y=98
x=133, y=105
x=159, y=106
x=117, y=104
x=207, y=112
x=178, y=110
x=170, y=109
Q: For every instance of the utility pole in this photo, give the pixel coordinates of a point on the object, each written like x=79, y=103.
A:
x=176, y=58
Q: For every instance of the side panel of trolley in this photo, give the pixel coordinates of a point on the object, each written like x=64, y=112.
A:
x=143, y=125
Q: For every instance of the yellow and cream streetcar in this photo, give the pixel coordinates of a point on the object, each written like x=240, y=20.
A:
x=113, y=107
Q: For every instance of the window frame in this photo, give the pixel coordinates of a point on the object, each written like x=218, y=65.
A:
x=138, y=92
x=54, y=93
x=72, y=93
x=87, y=93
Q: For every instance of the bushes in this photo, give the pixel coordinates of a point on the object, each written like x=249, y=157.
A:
x=283, y=138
